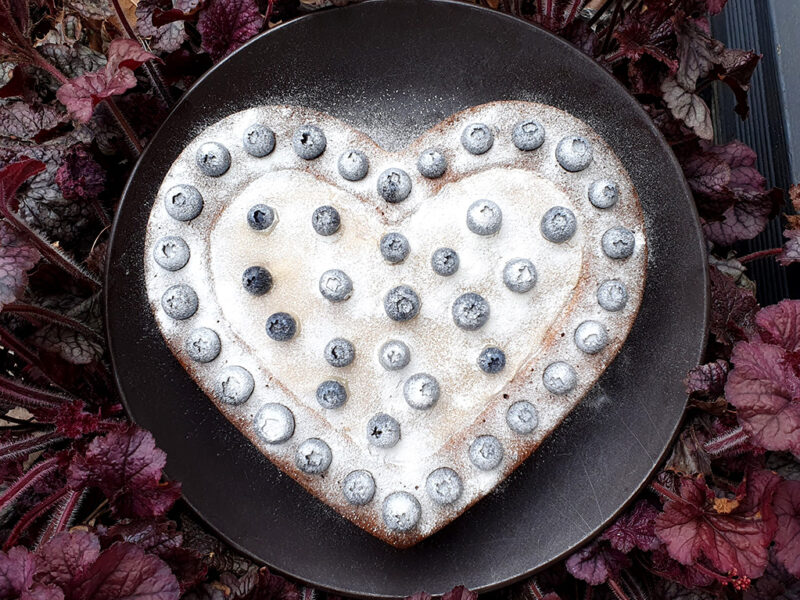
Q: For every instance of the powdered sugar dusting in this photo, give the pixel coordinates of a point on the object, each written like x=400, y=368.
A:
x=533, y=329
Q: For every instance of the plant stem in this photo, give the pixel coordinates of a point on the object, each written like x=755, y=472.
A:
x=38, y=472
x=50, y=253
x=29, y=517
x=51, y=316
x=63, y=515
x=158, y=83
x=662, y=491
x=615, y=587
x=611, y=26
x=28, y=396
x=26, y=446
x=760, y=254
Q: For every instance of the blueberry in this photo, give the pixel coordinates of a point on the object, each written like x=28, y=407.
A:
x=559, y=378
x=612, y=295
x=394, y=355
x=484, y=217
x=213, y=159
x=234, y=385
x=528, y=135
x=274, y=423
x=519, y=275
x=326, y=220
x=179, y=301
x=171, y=253
x=183, y=202
x=401, y=303
x=603, y=193
x=383, y=431
x=477, y=138
x=258, y=140
x=394, y=247
x=339, y=352
x=257, y=280
x=558, y=224
x=486, y=452
x=313, y=456
x=394, y=185
x=353, y=165
x=574, y=153
x=335, y=285
x=401, y=511
x=445, y=262
x=432, y=163
x=261, y=217
x=492, y=360
x=618, y=243
x=591, y=337
x=470, y=311
x=443, y=485
x=202, y=344
x=421, y=391
x=359, y=487
x=522, y=417
x=331, y=394
x=281, y=326
x=308, y=142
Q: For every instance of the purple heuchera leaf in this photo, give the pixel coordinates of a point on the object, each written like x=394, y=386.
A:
x=733, y=309
x=126, y=572
x=786, y=504
x=82, y=94
x=765, y=389
x=227, y=24
x=80, y=177
x=23, y=121
x=17, y=569
x=791, y=248
x=708, y=380
x=596, y=563
x=460, y=593
x=779, y=324
x=775, y=584
x=17, y=257
x=728, y=533
x=66, y=555
x=688, y=107
x=126, y=466
x=634, y=529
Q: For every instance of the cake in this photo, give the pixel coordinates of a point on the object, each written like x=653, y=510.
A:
x=397, y=331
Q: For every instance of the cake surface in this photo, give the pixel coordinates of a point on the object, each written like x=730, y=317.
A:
x=396, y=331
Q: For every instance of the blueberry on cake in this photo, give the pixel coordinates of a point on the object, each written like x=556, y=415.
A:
x=397, y=331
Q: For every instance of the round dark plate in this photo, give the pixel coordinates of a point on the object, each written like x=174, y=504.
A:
x=398, y=66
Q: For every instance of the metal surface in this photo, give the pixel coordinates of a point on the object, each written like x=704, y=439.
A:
x=397, y=66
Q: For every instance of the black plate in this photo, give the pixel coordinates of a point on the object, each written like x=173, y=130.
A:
x=403, y=65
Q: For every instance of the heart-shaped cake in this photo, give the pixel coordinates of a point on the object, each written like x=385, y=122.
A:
x=397, y=331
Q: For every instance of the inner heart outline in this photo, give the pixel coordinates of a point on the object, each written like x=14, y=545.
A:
x=224, y=192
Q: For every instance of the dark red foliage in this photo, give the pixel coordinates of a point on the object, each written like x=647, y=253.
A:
x=596, y=563
x=708, y=380
x=634, y=529
x=81, y=94
x=80, y=177
x=227, y=24
x=729, y=533
x=733, y=309
x=787, y=538
x=126, y=466
x=764, y=384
